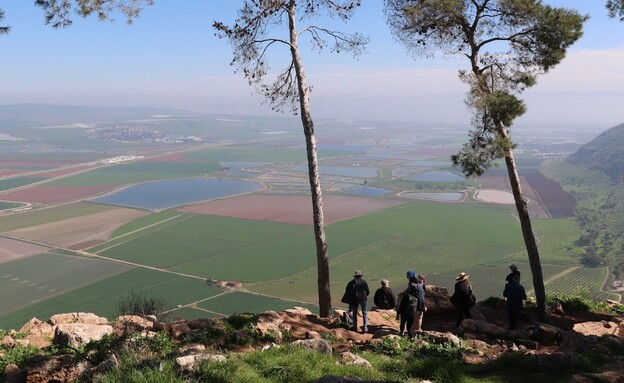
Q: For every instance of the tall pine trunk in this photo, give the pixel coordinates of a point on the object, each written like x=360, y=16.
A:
x=527, y=231
x=322, y=258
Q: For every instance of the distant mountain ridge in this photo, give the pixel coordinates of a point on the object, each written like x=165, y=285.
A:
x=604, y=153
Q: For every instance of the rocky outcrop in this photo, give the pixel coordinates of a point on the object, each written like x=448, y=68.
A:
x=551, y=348
x=79, y=334
x=85, y=318
x=61, y=368
x=39, y=333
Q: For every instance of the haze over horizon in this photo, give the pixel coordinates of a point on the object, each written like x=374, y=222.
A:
x=169, y=57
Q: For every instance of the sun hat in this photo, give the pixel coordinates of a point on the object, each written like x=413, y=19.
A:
x=411, y=274
x=357, y=273
x=385, y=282
x=513, y=266
x=462, y=277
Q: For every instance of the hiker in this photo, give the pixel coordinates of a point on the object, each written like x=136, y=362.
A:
x=514, y=271
x=384, y=297
x=409, y=304
x=422, y=308
x=515, y=294
x=462, y=298
x=356, y=295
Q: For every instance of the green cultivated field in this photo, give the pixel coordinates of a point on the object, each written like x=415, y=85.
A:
x=137, y=172
x=556, y=238
x=52, y=214
x=145, y=221
x=237, y=302
x=12, y=183
x=279, y=260
x=102, y=297
x=10, y=205
x=581, y=280
x=25, y=282
x=254, y=154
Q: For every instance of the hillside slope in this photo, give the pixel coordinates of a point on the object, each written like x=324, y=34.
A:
x=605, y=153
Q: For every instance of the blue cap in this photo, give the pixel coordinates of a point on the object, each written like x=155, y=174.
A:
x=411, y=274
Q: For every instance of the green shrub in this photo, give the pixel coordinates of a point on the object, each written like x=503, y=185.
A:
x=141, y=303
x=17, y=355
x=581, y=302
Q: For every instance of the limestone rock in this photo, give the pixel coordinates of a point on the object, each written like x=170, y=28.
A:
x=438, y=301
x=191, y=349
x=547, y=334
x=557, y=308
x=437, y=337
x=101, y=369
x=13, y=374
x=79, y=317
x=480, y=329
x=39, y=333
x=61, y=368
x=269, y=322
x=7, y=342
x=79, y=334
x=596, y=328
x=312, y=335
x=179, y=329
x=321, y=345
x=187, y=363
x=134, y=323
x=348, y=358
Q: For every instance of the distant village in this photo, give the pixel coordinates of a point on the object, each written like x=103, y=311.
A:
x=133, y=134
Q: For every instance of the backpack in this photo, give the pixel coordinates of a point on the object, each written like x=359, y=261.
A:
x=412, y=300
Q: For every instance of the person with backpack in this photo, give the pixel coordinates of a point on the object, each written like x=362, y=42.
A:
x=356, y=296
x=463, y=298
x=409, y=304
x=516, y=295
x=384, y=296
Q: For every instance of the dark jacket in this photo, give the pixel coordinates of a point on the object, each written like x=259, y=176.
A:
x=384, y=298
x=510, y=276
x=356, y=291
x=461, y=296
x=515, y=294
x=414, y=289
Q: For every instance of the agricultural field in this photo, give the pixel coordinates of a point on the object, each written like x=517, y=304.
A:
x=48, y=215
x=88, y=255
x=9, y=205
x=42, y=277
x=78, y=232
x=102, y=296
x=137, y=172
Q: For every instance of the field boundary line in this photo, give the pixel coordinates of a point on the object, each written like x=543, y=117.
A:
x=93, y=255
x=555, y=277
x=134, y=232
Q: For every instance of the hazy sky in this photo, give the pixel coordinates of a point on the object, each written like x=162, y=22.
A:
x=170, y=57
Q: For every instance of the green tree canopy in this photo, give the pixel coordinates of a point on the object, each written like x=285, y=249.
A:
x=507, y=43
x=616, y=8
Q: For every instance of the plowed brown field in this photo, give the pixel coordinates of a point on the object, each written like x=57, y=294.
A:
x=80, y=232
x=11, y=250
x=290, y=208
